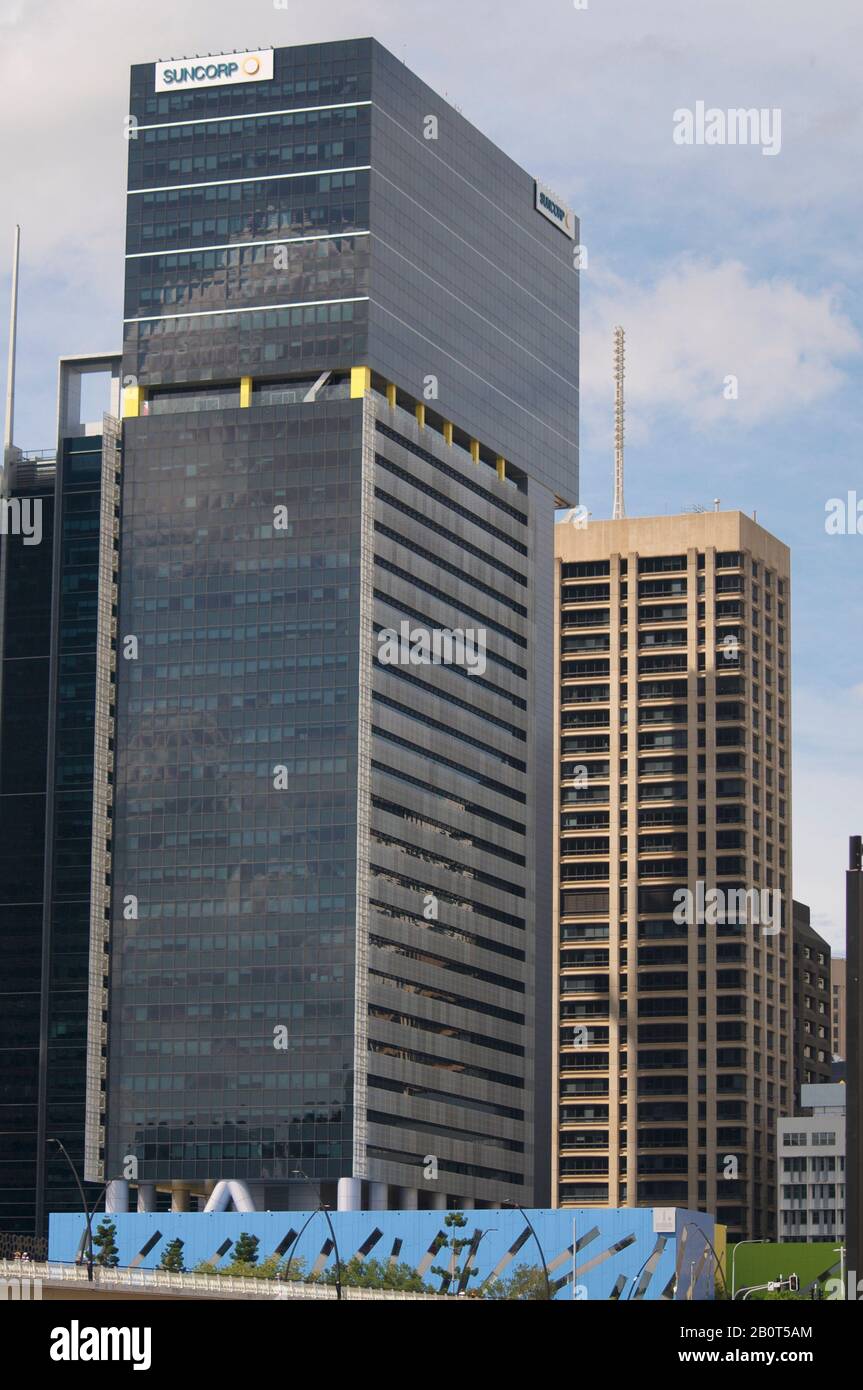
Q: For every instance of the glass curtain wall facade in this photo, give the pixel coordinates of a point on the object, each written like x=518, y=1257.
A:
x=26, y=639
x=352, y=352
x=47, y=719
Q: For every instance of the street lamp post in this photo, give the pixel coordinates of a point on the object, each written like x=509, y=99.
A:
x=634, y=1285
x=691, y=1225
x=761, y=1241
x=322, y=1206
x=311, y=1216
x=88, y=1214
x=520, y=1208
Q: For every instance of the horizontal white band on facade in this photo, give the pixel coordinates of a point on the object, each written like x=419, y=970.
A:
x=252, y=116
x=253, y=178
x=249, y=309
x=238, y=245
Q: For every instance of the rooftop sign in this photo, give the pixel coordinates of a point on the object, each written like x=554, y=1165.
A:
x=551, y=207
x=217, y=71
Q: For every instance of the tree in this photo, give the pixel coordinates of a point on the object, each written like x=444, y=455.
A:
x=109, y=1255
x=172, y=1257
x=297, y=1270
x=375, y=1274
x=525, y=1284
x=451, y=1274
x=246, y=1249
x=270, y=1268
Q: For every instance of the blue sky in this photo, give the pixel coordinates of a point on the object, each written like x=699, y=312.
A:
x=717, y=259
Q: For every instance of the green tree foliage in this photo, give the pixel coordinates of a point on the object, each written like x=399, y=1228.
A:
x=246, y=1249
x=450, y=1274
x=172, y=1257
x=376, y=1274
x=526, y=1283
x=297, y=1269
x=271, y=1268
x=104, y=1237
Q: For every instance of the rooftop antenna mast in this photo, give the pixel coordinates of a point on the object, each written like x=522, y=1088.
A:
x=10, y=364
x=619, y=511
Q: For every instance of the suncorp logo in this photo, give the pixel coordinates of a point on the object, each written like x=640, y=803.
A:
x=547, y=203
x=215, y=71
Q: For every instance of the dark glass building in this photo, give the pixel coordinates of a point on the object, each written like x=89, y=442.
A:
x=350, y=358
x=48, y=634
x=813, y=1006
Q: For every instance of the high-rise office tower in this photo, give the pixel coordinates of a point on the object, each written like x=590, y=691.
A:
x=674, y=1052
x=812, y=1005
x=351, y=363
x=58, y=519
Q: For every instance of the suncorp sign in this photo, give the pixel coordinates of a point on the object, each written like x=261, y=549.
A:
x=184, y=73
x=551, y=207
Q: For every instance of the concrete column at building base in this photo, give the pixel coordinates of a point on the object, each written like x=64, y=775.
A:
x=350, y=1194
x=117, y=1196
x=146, y=1196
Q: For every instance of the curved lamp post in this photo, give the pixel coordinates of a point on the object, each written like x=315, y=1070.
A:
x=734, y=1250
x=311, y=1216
x=633, y=1286
x=88, y=1213
x=709, y=1242
x=326, y=1211
x=519, y=1207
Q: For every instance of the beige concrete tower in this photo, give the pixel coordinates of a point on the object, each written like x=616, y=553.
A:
x=673, y=1047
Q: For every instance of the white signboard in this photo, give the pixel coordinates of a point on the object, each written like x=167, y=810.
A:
x=551, y=207
x=183, y=74
x=664, y=1220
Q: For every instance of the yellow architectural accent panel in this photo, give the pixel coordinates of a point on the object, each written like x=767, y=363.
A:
x=391, y=394
x=474, y=450
x=132, y=398
x=421, y=415
x=245, y=392
x=361, y=381
x=447, y=431
x=500, y=464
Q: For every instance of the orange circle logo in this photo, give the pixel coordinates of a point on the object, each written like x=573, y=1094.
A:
x=251, y=65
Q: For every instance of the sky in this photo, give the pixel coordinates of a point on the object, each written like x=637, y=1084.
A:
x=720, y=260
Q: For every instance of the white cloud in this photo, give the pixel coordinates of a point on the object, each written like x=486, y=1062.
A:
x=699, y=323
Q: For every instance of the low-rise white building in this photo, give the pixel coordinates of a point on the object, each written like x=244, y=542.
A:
x=812, y=1167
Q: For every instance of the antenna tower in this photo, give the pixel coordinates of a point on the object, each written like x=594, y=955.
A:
x=619, y=509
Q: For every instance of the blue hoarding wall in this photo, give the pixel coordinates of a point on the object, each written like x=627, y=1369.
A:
x=626, y=1253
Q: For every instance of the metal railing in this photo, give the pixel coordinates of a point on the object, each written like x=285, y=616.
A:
x=202, y=1285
